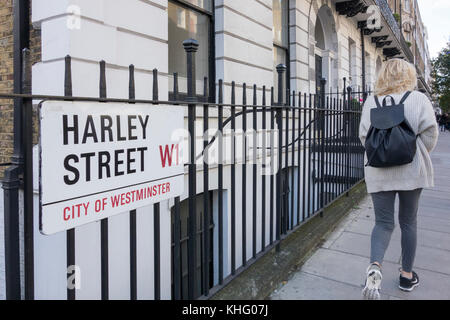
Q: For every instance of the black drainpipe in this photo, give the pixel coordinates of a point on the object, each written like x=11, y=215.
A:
x=12, y=180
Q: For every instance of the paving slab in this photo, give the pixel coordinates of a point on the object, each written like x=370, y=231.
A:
x=339, y=230
x=434, y=212
x=359, y=244
x=433, y=224
x=365, y=225
x=349, y=269
x=433, y=285
x=305, y=286
x=339, y=266
x=433, y=259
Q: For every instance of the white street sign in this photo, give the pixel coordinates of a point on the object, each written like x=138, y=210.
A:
x=101, y=159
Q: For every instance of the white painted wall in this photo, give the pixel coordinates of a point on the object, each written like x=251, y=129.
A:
x=244, y=44
x=119, y=32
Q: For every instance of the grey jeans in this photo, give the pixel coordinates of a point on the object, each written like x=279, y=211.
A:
x=384, y=206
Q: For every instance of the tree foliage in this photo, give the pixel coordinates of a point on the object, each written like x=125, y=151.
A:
x=441, y=78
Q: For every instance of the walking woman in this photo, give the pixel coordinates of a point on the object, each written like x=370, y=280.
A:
x=443, y=120
x=398, y=79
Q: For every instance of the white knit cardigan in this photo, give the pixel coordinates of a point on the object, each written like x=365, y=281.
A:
x=419, y=173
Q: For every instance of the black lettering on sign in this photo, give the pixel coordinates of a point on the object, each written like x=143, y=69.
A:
x=89, y=130
x=67, y=129
x=118, y=162
x=72, y=169
x=93, y=164
x=106, y=128
x=107, y=125
x=131, y=127
x=144, y=126
x=104, y=164
x=130, y=160
x=141, y=150
x=88, y=157
x=119, y=133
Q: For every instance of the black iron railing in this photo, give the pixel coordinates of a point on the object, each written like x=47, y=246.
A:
x=304, y=155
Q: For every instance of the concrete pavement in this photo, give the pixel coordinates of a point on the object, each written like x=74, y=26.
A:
x=336, y=271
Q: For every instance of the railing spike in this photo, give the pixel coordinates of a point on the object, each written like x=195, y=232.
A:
x=68, y=76
x=155, y=85
x=103, y=79
x=131, y=86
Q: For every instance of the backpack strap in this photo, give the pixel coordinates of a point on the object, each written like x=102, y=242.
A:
x=392, y=101
x=405, y=97
x=377, y=102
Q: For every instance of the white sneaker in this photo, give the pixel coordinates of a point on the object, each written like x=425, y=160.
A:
x=371, y=290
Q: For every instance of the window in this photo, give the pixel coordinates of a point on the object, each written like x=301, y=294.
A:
x=353, y=78
x=290, y=202
x=280, y=40
x=184, y=240
x=407, y=6
x=408, y=36
x=368, y=71
x=319, y=35
x=191, y=19
x=407, y=27
x=379, y=65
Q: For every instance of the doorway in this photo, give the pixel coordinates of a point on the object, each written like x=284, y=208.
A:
x=319, y=74
x=202, y=229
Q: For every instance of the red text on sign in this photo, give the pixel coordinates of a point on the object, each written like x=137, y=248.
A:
x=123, y=199
x=167, y=155
x=75, y=211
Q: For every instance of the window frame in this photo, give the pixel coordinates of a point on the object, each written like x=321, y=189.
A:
x=287, y=50
x=352, y=66
x=211, y=52
x=407, y=6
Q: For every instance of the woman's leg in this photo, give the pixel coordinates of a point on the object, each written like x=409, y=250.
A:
x=383, y=203
x=409, y=205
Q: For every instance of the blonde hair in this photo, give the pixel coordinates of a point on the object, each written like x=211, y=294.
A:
x=396, y=76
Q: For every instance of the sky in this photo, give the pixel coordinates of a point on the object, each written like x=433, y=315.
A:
x=436, y=17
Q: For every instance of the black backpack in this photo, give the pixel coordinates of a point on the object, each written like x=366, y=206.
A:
x=390, y=140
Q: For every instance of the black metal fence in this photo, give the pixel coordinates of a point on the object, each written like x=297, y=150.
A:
x=311, y=140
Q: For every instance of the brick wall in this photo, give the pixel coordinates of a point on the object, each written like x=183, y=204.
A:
x=6, y=80
x=6, y=76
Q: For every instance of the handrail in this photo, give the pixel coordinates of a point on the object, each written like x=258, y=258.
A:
x=198, y=104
